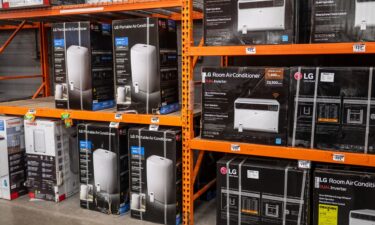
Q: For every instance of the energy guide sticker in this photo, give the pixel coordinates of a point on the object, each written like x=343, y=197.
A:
x=328, y=214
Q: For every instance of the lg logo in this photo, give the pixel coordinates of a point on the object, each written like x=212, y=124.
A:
x=224, y=171
x=305, y=76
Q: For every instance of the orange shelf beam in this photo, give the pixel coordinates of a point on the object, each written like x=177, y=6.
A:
x=87, y=9
x=292, y=49
x=284, y=152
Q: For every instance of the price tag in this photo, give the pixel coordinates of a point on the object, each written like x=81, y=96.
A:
x=235, y=148
x=338, y=157
x=118, y=116
x=30, y=115
x=304, y=164
x=154, y=119
x=114, y=125
x=251, y=50
x=359, y=48
x=154, y=127
x=31, y=111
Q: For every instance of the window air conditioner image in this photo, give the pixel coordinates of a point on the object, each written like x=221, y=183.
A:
x=364, y=13
x=160, y=179
x=145, y=75
x=39, y=141
x=256, y=115
x=261, y=15
x=105, y=171
x=78, y=72
x=362, y=217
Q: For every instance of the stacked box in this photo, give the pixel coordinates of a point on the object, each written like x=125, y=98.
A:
x=104, y=170
x=146, y=68
x=343, y=196
x=12, y=158
x=261, y=191
x=248, y=104
x=156, y=174
x=343, y=21
x=332, y=108
x=52, y=160
x=82, y=63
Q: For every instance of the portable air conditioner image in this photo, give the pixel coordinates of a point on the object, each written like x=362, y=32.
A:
x=261, y=15
x=124, y=94
x=78, y=68
x=105, y=171
x=58, y=91
x=39, y=140
x=256, y=115
x=160, y=179
x=364, y=13
x=145, y=75
x=362, y=217
x=138, y=202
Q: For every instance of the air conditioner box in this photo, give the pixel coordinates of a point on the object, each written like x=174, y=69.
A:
x=17, y=4
x=12, y=158
x=343, y=106
x=146, y=67
x=241, y=22
x=351, y=195
x=52, y=160
x=155, y=174
x=248, y=104
x=250, y=190
x=104, y=170
x=83, y=65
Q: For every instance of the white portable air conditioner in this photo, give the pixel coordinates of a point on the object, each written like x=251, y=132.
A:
x=145, y=76
x=256, y=115
x=364, y=13
x=39, y=141
x=105, y=171
x=160, y=179
x=362, y=217
x=123, y=94
x=58, y=91
x=78, y=68
x=261, y=15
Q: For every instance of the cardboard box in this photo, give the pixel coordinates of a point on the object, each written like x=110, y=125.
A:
x=343, y=196
x=248, y=104
x=237, y=22
x=12, y=158
x=343, y=21
x=261, y=191
x=146, y=68
x=156, y=174
x=332, y=108
x=82, y=63
x=52, y=160
x=104, y=167
x=15, y=4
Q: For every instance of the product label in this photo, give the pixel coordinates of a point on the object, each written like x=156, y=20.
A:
x=328, y=214
x=59, y=43
x=136, y=150
x=327, y=77
x=253, y=174
x=274, y=76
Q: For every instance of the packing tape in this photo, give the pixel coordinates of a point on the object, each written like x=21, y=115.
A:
x=312, y=139
x=368, y=109
x=296, y=109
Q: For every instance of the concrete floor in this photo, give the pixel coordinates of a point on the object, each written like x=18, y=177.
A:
x=22, y=211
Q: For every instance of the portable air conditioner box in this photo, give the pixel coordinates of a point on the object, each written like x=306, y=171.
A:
x=51, y=160
x=104, y=167
x=145, y=57
x=12, y=158
x=82, y=55
x=155, y=174
x=249, y=105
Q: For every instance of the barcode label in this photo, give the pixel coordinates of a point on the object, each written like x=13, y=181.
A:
x=359, y=48
x=118, y=116
x=338, y=158
x=31, y=111
x=251, y=50
x=235, y=148
x=154, y=119
x=304, y=164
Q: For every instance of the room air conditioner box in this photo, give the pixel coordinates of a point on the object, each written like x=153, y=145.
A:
x=103, y=166
x=155, y=174
x=12, y=158
x=83, y=65
x=239, y=22
x=248, y=104
x=52, y=160
x=145, y=57
x=351, y=192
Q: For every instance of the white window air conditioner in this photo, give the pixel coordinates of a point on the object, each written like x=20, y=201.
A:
x=256, y=115
x=105, y=171
x=145, y=76
x=160, y=179
x=39, y=141
x=261, y=15
x=364, y=13
x=78, y=68
x=362, y=217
